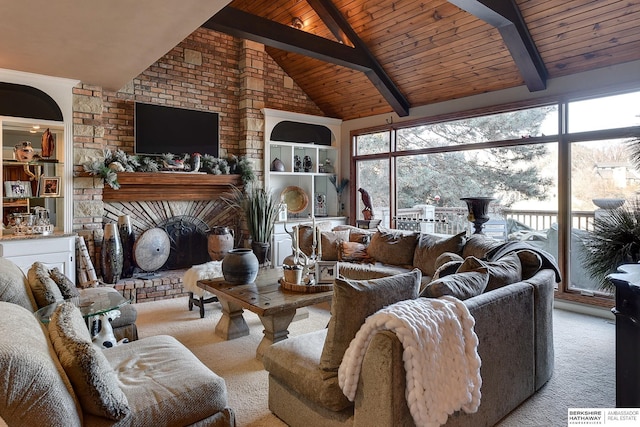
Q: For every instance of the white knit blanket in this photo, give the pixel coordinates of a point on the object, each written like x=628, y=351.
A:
x=440, y=356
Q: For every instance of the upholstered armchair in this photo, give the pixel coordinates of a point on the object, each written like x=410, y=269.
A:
x=43, y=286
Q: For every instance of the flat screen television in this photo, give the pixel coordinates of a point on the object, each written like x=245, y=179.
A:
x=159, y=129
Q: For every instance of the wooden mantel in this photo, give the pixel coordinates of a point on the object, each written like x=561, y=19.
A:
x=173, y=186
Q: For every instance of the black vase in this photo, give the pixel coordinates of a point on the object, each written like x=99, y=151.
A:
x=111, y=254
x=261, y=250
x=478, y=208
x=240, y=266
x=127, y=239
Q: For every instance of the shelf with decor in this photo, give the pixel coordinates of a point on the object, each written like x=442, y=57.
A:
x=297, y=147
x=302, y=151
x=31, y=182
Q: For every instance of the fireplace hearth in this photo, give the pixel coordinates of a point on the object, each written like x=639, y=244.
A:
x=186, y=223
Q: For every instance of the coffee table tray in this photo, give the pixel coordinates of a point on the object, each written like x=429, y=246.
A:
x=305, y=288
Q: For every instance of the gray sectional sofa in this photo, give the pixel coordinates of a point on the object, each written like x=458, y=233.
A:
x=511, y=303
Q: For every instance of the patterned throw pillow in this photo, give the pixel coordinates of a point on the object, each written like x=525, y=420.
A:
x=459, y=285
x=91, y=375
x=354, y=301
x=44, y=290
x=66, y=286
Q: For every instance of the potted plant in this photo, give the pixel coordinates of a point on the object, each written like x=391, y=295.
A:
x=259, y=208
x=615, y=240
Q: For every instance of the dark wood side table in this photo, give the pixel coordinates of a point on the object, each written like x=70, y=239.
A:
x=627, y=311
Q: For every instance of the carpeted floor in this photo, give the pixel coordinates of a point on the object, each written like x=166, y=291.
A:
x=584, y=373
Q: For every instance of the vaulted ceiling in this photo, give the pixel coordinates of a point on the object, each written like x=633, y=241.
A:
x=354, y=58
x=357, y=58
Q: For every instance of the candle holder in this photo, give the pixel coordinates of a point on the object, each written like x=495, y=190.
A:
x=478, y=211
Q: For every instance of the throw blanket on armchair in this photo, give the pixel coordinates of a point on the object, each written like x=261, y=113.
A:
x=440, y=356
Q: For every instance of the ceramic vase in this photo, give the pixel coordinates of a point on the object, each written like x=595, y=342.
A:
x=220, y=240
x=240, y=266
x=261, y=251
x=111, y=254
x=127, y=239
x=277, y=165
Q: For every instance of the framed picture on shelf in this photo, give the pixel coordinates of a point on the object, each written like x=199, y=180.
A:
x=49, y=186
x=17, y=189
x=326, y=271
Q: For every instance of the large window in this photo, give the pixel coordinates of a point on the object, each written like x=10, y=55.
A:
x=417, y=174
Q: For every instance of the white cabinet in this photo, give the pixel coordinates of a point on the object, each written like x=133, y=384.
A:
x=281, y=247
x=53, y=251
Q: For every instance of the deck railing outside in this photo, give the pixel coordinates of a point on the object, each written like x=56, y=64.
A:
x=444, y=220
x=537, y=227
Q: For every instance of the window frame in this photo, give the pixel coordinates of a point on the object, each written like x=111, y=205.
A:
x=563, y=139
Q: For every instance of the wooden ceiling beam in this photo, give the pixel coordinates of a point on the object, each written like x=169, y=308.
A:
x=506, y=17
x=244, y=25
x=331, y=21
x=376, y=74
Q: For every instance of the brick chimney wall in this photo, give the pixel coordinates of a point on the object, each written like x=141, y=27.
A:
x=208, y=70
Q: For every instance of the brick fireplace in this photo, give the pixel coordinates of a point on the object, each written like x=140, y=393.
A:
x=185, y=206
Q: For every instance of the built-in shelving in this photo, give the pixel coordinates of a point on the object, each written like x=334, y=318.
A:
x=319, y=144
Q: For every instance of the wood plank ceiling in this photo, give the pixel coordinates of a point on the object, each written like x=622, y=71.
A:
x=435, y=50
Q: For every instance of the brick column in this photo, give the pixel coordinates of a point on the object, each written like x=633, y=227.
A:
x=252, y=100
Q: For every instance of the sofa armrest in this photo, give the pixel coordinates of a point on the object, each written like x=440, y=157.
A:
x=506, y=332
x=543, y=283
x=380, y=398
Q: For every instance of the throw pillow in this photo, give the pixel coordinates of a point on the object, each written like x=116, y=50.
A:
x=44, y=290
x=478, y=245
x=67, y=287
x=354, y=252
x=91, y=375
x=305, y=235
x=35, y=390
x=459, y=285
x=502, y=272
x=531, y=263
x=446, y=269
x=14, y=286
x=446, y=258
x=330, y=244
x=354, y=301
x=356, y=234
x=430, y=247
x=393, y=246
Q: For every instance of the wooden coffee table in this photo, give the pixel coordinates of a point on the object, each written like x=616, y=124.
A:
x=276, y=307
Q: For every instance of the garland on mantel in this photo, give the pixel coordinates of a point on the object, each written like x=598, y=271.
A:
x=113, y=162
